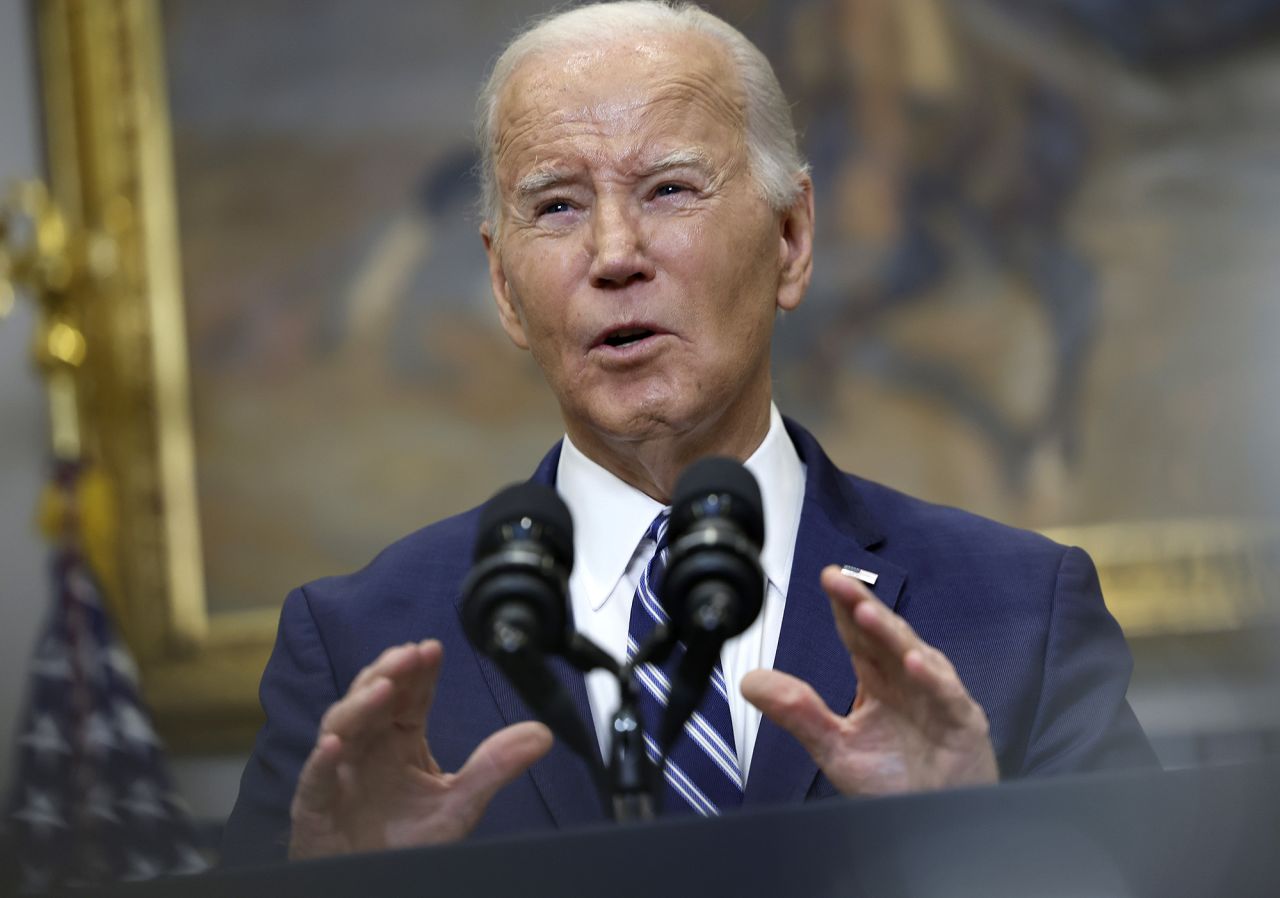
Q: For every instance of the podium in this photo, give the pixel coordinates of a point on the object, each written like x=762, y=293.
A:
x=1205, y=832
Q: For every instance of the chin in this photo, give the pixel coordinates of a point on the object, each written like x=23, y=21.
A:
x=637, y=421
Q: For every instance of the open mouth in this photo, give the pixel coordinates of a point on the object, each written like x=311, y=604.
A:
x=627, y=335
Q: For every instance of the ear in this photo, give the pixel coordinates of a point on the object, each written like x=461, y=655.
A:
x=508, y=314
x=795, y=246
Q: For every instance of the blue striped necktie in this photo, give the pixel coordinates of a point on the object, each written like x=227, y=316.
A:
x=702, y=773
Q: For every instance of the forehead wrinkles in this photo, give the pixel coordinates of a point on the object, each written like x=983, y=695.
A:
x=536, y=112
x=701, y=91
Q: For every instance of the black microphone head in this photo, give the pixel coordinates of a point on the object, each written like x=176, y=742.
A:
x=716, y=531
x=518, y=584
x=718, y=487
x=526, y=511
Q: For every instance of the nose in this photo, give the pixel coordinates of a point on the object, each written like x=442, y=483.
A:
x=619, y=256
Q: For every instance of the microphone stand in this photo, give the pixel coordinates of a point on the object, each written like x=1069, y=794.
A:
x=630, y=776
x=630, y=783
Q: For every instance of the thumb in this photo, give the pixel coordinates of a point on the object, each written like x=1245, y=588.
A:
x=499, y=759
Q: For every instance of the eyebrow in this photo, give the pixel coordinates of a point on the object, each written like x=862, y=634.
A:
x=543, y=178
x=540, y=179
x=682, y=158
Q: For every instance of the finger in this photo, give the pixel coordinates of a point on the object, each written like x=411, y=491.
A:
x=883, y=634
x=498, y=760
x=793, y=704
x=867, y=626
x=317, y=791
x=387, y=663
x=849, y=598
x=847, y=595
x=937, y=680
x=416, y=686
x=411, y=670
x=877, y=639
x=396, y=661
x=360, y=712
x=900, y=667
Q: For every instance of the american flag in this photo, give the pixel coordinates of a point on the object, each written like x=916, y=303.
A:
x=91, y=801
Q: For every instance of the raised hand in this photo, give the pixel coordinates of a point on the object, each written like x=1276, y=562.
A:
x=913, y=725
x=371, y=783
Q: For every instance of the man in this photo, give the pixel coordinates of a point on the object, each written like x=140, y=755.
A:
x=648, y=217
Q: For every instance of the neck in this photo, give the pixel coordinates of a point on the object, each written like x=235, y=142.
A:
x=653, y=463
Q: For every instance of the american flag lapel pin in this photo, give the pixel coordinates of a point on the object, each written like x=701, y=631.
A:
x=857, y=573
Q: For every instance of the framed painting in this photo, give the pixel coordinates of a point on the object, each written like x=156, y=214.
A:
x=297, y=361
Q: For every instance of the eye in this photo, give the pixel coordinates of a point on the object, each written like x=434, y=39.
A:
x=669, y=189
x=553, y=207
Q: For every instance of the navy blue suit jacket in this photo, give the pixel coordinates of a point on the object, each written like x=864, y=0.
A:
x=1020, y=617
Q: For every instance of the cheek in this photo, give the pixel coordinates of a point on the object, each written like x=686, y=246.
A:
x=701, y=265
x=541, y=284
x=687, y=237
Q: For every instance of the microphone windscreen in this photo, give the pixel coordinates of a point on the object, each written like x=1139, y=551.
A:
x=719, y=477
x=526, y=511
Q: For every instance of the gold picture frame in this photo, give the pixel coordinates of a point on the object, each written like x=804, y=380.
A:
x=110, y=168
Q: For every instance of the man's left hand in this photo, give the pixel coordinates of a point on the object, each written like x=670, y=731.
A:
x=913, y=725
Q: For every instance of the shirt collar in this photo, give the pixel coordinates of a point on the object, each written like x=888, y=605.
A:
x=780, y=473
x=610, y=516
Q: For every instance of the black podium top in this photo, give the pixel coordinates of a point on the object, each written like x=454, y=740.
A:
x=1206, y=832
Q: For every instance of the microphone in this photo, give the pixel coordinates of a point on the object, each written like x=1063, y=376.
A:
x=514, y=601
x=515, y=593
x=713, y=586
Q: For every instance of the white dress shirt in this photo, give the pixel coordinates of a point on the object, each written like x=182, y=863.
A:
x=609, y=519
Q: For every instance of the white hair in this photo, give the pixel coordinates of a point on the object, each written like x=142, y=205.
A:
x=772, y=153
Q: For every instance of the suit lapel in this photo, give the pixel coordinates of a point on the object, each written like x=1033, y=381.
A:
x=835, y=528
x=562, y=778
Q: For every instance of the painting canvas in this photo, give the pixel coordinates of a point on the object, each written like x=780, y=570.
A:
x=1044, y=287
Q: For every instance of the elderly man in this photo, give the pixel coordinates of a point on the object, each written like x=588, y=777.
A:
x=648, y=217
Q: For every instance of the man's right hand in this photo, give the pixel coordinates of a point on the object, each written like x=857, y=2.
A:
x=371, y=784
